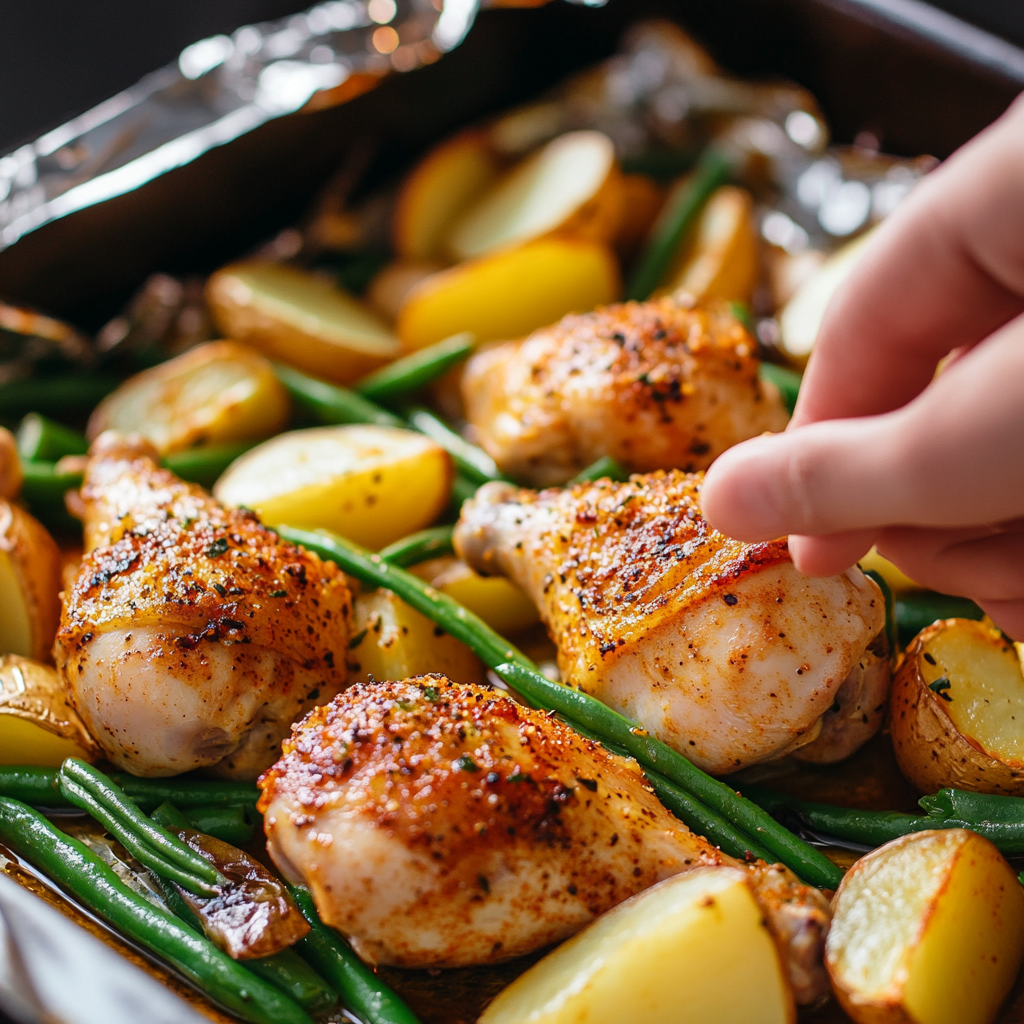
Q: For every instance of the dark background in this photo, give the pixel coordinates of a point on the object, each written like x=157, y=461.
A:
x=58, y=58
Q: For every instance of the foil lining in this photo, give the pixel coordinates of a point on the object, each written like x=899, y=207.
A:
x=219, y=89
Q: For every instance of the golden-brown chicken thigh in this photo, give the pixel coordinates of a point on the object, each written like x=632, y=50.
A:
x=192, y=636
x=721, y=649
x=440, y=825
x=654, y=385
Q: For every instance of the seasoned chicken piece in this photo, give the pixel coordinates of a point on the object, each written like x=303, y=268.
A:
x=440, y=825
x=721, y=649
x=652, y=384
x=192, y=636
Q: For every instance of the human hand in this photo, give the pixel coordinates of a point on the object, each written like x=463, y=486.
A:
x=879, y=451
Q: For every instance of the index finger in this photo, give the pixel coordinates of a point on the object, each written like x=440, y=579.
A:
x=945, y=271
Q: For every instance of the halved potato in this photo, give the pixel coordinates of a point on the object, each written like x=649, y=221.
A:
x=10, y=465
x=37, y=724
x=692, y=948
x=438, y=191
x=800, y=319
x=928, y=929
x=958, y=710
x=391, y=640
x=371, y=484
x=642, y=199
x=30, y=584
x=510, y=293
x=719, y=259
x=301, y=319
x=571, y=187
x=498, y=601
x=212, y=394
x=390, y=288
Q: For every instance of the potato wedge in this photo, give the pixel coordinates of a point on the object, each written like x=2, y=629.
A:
x=391, y=640
x=510, y=293
x=642, y=199
x=958, y=710
x=371, y=484
x=800, y=319
x=692, y=948
x=390, y=288
x=928, y=929
x=212, y=394
x=300, y=318
x=10, y=465
x=438, y=190
x=30, y=584
x=37, y=724
x=571, y=187
x=498, y=601
x=719, y=259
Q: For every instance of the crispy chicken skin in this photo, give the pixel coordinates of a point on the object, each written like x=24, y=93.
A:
x=652, y=384
x=721, y=649
x=192, y=636
x=443, y=825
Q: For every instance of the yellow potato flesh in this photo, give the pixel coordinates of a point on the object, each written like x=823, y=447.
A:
x=720, y=259
x=301, y=319
x=212, y=394
x=24, y=742
x=437, y=191
x=541, y=195
x=498, y=601
x=930, y=929
x=898, y=580
x=15, y=621
x=508, y=294
x=371, y=484
x=396, y=642
x=986, y=686
x=693, y=948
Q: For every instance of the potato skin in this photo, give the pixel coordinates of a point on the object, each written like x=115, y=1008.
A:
x=930, y=751
x=37, y=563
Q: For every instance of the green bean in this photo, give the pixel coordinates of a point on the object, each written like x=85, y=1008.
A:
x=331, y=403
x=90, y=789
x=204, y=465
x=698, y=817
x=891, y=632
x=981, y=808
x=31, y=785
x=516, y=669
x=462, y=490
x=416, y=370
x=785, y=379
x=360, y=990
x=418, y=547
x=810, y=864
x=44, y=485
x=472, y=462
x=287, y=971
x=80, y=872
x=605, y=467
x=60, y=395
x=43, y=438
x=917, y=609
x=711, y=171
x=372, y=570
x=228, y=824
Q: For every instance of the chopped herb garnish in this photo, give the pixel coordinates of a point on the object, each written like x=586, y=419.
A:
x=430, y=692
x=940, y=686
x=357, y=640
x=590, y=784
x=466, y=764
x=218, y=547
x=220, y=590
x=279, y=593
x=516, y=776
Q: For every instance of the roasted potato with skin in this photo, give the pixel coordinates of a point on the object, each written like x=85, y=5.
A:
x=10, y=465
x=438, y=190
x=571, y=187
x=497, y=600
x=30, y=584
x=692, y=948
x=301, y=319
x=391, y=640
x=212, y=394
x=37, y=724
x=371, y=484
x=510, y=293
x=928, y=929
x=958, y=710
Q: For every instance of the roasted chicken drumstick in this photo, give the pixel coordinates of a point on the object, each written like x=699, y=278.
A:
x=721, y=649
x=440, y=825
x=192, y=636
x=655, y=385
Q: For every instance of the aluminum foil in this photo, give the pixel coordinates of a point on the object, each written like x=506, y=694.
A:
x=219, y=89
